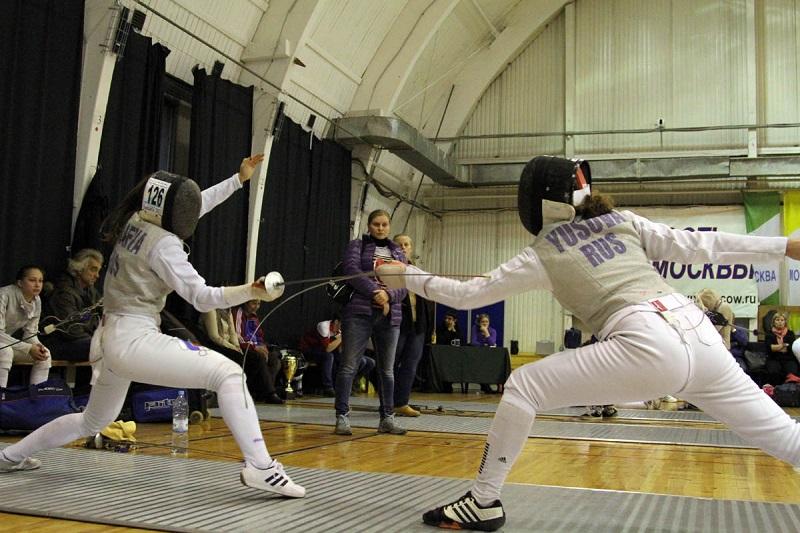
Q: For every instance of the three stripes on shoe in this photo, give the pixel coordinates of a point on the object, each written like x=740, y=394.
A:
x=277, y=479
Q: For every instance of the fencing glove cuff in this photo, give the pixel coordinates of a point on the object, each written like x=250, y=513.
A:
x=391, y=274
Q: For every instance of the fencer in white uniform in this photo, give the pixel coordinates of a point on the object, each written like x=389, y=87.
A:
x=652, y=341
x=20, y=309
x=148, y=262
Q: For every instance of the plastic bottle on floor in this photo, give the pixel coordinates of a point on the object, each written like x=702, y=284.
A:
x=180, y=425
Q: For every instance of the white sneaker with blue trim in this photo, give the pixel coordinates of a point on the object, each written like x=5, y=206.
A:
x=272, y=479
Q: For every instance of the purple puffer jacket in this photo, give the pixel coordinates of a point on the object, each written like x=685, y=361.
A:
x=359, y=257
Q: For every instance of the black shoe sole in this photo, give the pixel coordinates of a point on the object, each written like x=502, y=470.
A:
x=436, y=518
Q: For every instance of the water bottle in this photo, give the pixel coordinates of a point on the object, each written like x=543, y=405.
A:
x=180, y=424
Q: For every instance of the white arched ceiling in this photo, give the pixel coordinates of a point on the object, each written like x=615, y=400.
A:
x=330, y=43
x=442, y=46
x=527, y=20
x=394, y=63
x=227, y=27
x=436, y=64
x=538, y=73
x=463, y=44
x=343, y=57
x=285, y=24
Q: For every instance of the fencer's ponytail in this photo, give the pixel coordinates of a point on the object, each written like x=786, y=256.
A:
x=112, y=226
x=594, y=206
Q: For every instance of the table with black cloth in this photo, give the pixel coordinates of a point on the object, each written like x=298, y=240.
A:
x=464, y=364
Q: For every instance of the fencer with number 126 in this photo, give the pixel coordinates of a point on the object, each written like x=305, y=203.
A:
x=148, y=262
x=596, y=261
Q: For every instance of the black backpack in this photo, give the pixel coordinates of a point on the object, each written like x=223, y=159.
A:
x=339, y=290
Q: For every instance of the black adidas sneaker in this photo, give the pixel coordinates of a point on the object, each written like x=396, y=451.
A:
x=465, y=513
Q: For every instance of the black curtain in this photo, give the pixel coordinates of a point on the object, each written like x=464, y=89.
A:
x=305, y=224
x=221, y=136
x=40, y=79
x=130, y=144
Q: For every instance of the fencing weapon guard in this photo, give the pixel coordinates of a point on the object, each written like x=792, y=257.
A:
x=273, y=285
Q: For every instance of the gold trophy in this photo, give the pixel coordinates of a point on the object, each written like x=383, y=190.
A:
x=289, y=369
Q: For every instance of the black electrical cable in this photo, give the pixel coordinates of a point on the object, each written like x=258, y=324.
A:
x=71, y=320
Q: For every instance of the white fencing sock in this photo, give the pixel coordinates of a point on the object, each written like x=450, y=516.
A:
x=39, y=374
x=243, y=421
x=507, y=436
x=3, y=377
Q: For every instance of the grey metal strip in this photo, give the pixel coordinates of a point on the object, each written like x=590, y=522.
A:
x=481, y=407
x=592, y=430
x=201, y=495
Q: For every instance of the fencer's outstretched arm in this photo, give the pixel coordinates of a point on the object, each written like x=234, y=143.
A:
x=520, y=274
x=171, y=263
x=216, y=194
x=663, y=243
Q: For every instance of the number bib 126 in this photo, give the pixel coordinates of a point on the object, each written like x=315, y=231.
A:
x=154, y=194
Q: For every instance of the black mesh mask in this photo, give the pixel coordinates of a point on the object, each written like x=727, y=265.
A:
x=547, y=178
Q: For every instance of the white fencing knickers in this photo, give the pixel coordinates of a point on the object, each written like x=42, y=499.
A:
x=640, y=356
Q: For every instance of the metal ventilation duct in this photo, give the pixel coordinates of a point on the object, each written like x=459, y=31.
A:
x=407, y=143
x=404, y=141
x=668, y=169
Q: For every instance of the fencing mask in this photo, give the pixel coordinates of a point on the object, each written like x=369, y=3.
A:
x=549, y=190
x=172, y=202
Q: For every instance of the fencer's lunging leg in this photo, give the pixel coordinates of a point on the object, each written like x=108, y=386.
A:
x=721, y=389
x=105, y=402
x=58, y=432
x=507, y=437
x=243, y=421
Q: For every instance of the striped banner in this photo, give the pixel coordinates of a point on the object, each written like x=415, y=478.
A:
x=762, y=211
x=791, y=226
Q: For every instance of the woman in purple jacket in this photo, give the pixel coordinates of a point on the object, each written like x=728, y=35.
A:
x=373, y=311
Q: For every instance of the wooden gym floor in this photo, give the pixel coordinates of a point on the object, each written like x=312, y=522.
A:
x=699, y=471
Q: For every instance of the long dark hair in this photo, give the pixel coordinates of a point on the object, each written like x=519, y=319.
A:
x=118, y=217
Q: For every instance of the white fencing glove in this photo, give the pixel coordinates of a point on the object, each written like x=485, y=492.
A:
x=266, y=288
x=391, y=274
x=273, y=286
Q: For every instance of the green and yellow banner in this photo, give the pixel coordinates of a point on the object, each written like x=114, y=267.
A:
x=762, y=211
x=791, y=226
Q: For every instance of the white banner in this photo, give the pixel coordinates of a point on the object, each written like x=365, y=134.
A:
x=733, y=283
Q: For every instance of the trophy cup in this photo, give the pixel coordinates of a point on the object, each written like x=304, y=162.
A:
x=289, y=370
